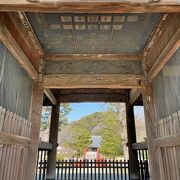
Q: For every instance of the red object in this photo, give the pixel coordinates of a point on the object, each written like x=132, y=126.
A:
x=85, y=151
x=91, y=155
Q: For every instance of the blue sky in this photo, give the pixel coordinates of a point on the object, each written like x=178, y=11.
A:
x=82, y=109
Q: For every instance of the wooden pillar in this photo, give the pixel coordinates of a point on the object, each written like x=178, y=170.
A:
x=150, y=130
x=131, y=135
x=35, y=118
x=53, y=138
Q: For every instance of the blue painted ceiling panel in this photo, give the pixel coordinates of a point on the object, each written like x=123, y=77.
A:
x=92, y=33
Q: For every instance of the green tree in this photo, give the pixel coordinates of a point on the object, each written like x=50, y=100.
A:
x=119, y=110
x=111, y=140
x=82, y=140
x=65, y=109
x=45, y=117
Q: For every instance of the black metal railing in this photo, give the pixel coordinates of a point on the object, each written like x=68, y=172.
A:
x=41, y=165
x=142, y=154
x=92, y=170
x=84, y=170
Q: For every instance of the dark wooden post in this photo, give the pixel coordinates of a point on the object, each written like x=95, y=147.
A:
x=53, y=138
x=131, y=134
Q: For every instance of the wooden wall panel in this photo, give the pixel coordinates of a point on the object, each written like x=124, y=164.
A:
x=14, y=140
x=166, y=87
x=167, y=122
x=167, y=145
x=15, y=84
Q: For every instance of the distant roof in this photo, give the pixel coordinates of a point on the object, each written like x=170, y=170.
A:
x=96, y=141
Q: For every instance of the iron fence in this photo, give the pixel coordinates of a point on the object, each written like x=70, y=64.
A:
x=92, y=170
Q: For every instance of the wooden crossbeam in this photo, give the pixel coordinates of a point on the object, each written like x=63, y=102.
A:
x=117, y=81
x=17, y=52
x=104, y=57
x=50, y=95
x=134, y=94
x=173, y=140
x=100, y=6
x=140, y=145
x=44, y=145
x=12, y=139
x=92, y=97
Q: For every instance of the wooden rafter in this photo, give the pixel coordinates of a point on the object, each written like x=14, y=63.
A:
x=23, y=25
x=100, y=6
x=50, y=96
x=124, y=57
x=116, y=81
x=134, y=94
x=154, y=34
x=165, y=56
x=9, y=41
x=20, y=28
x=164, y=46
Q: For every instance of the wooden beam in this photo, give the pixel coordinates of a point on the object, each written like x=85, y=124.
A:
x=173, y=140
x=92, y=67
x=91, y=57
x=165, y=56
x=140, y=145
x=18, y=27
x=17, y=52
x=82, y=6
x=44, y=145
x=50, y=95
x=89, y=97
x=154, y=33
x=134, y=94
x=24, y=35
x=91, y=91
x=11, y=139
x=165, y=42
x=116, y=81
